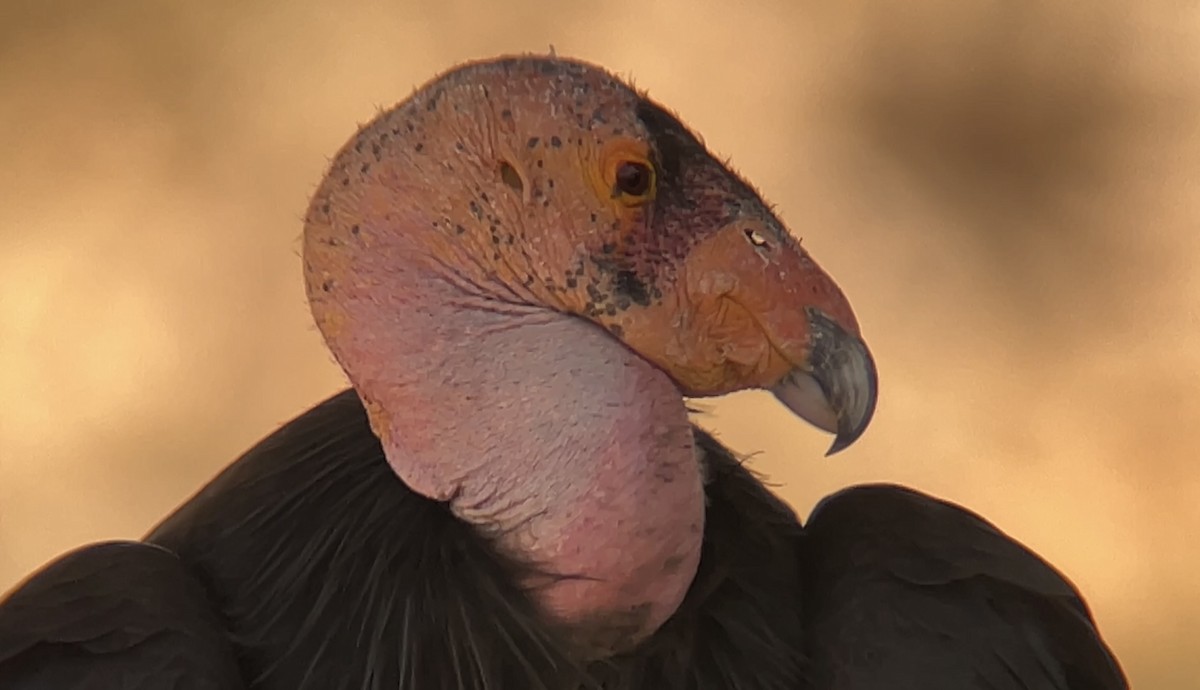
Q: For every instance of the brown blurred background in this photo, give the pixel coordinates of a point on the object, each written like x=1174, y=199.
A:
x=1007, y=191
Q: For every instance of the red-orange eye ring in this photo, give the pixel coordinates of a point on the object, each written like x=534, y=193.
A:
x=625, y=173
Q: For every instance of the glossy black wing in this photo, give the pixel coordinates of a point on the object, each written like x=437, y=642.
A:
x=906, y=591
x=113, y=616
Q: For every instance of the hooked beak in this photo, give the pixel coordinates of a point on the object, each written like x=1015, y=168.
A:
x=837, y=388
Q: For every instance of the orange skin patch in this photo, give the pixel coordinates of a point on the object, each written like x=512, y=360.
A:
x=472, y=261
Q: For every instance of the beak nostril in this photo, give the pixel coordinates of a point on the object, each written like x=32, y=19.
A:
x=757, y=239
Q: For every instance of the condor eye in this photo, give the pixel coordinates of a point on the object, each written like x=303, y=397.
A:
x=757, y=239
x=634, y=178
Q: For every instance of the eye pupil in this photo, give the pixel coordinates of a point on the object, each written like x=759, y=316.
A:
x=633, y=179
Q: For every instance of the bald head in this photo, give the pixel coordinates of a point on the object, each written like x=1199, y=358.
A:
x=552, y=183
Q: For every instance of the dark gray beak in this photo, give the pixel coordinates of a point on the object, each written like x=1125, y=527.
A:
x=837, y=391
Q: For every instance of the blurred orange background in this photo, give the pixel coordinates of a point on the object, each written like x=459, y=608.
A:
x=1007, y=191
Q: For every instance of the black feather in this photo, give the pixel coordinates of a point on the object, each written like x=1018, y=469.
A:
x=117, y=616
x=310, y=566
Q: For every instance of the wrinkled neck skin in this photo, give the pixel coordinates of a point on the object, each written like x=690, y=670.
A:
x=547, y=433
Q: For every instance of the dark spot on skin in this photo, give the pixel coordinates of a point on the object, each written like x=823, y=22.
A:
x=672, y=564
x=610, y=309
x=663, y=474
x=506, y=113
x=419, y=147
x=616, y=330
x=627, y=283
x=594, y=293
x=593, y=216
x=550, y=183
x=377, y=150
x=327, y=286
x=604, y=264
x=345, y=181
x=510, y=177
x=540, y=163
x=475, y=210
x=325, y=208
x=364, y=168
x=459, y=145
x=410, y=126
x=533, y=141
x=458, y=229
x=607, y=247
x=354, y=229
x=572, y=282
x=556, y=142
x=358, y=146
x=433, y=100
x=484, y=196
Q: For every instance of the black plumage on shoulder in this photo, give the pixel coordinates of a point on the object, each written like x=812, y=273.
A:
x=906, y=590
x=114, y=616
x=308, y=565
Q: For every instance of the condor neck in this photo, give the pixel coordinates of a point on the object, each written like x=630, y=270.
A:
x=549, y=435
